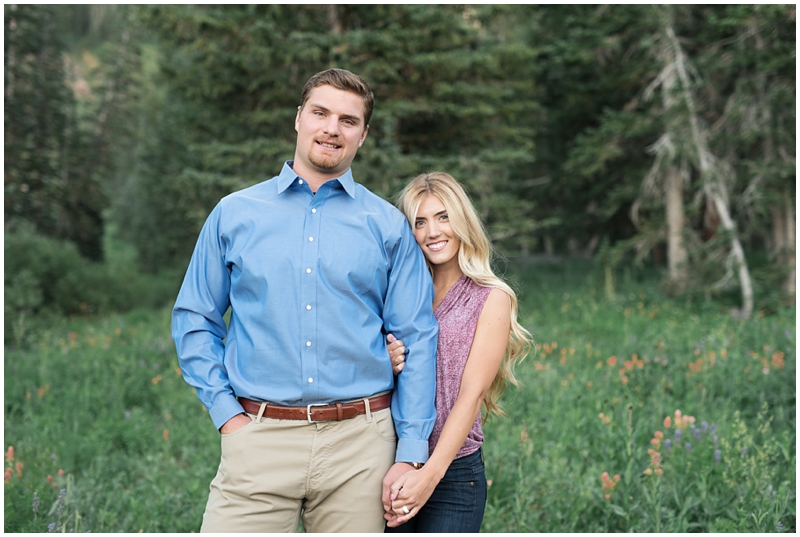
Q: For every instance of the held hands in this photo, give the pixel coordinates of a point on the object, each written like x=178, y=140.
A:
x=397, y=353
x=408, y=494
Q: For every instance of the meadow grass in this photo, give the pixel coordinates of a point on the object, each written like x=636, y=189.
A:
x=637, y=413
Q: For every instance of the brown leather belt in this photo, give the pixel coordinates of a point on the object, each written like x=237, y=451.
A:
x=318, y=412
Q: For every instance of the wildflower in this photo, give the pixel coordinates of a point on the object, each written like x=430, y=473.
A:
x=612, y=361
x=677, y=435
x=20, y=466
x=704, y=426
x=51, y=527
x=659, y=471
x=658, y=434
x=655, y=441
x=608, y=482
x=156, y=379
x=696, y=434
x=744, y=451
x=608, y=496
x=7, y=476
x=667, y=422
x=648, y=471
x=60, y=473
x=624, y=379
x=35, y=504
x=778, y=527
x=10, y=454
x=717, y=456
x=62, y=500
x=49, y=479
x=688, y=447
x=166, y=435
x=667, y=445
x=765, y=371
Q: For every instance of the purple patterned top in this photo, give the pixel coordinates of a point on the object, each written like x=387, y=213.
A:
x=458, y=316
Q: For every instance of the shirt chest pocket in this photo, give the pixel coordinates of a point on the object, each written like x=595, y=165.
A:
x=350, y=261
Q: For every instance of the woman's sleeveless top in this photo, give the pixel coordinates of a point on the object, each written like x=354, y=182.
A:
x=457, y=316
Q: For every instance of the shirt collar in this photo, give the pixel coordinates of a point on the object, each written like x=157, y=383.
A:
x=287, y=177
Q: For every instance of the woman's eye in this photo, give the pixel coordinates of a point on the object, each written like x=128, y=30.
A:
x=419, y=223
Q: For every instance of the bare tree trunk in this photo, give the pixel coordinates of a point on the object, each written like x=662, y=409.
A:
x=790, y=284
x=714, y=186
x=676, y=249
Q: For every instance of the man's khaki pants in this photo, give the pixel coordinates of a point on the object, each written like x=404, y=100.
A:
x=332, y=471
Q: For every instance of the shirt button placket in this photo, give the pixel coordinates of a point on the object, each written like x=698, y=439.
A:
x=308, y=294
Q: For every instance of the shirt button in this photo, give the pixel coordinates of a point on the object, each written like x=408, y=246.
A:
x=308, y=271
x=308, y=343
x=310, y=380
x=300, y=181
x=313, y=210
x=311, y=239
x=308, y=307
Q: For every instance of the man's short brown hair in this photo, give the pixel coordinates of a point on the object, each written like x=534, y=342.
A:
x=343, y=80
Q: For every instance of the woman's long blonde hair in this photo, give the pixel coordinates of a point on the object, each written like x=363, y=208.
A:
x=474, y=259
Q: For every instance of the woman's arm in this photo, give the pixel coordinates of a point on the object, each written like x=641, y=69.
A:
x=413, y=489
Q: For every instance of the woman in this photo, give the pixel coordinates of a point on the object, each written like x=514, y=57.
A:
x=480, y=340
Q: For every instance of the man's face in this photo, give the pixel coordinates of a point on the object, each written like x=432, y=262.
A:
x=330, y=129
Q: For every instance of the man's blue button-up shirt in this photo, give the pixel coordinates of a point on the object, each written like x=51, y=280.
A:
x=314, y=283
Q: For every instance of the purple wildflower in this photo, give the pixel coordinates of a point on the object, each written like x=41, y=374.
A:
x=688, y=447
x=704, y=426
x=717, y=456
x=696, y=434
x=667, y=445
x=35, y=504
x=51, y=527
x=677, y=435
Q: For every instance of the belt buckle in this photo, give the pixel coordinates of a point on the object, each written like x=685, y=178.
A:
x=308, y=410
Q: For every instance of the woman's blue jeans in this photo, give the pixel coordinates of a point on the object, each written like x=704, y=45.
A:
x=457, y=503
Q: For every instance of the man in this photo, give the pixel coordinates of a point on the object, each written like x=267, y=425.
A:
x=316, y=271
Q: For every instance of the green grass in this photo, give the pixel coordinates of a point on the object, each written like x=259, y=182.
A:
x=97, y=409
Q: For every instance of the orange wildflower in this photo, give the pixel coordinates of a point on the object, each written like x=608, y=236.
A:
x=667, y=422
x=612, y=361
x=10, y=454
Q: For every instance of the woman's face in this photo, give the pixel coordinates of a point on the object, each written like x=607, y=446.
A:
x=434, y=234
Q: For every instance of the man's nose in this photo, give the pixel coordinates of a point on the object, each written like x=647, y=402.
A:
x=332, y=127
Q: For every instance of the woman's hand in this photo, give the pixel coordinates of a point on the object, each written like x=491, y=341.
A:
x=409, y=494
x=397, y=353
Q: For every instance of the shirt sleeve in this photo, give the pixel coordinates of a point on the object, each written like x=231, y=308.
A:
x=198, y=325
x=408, y=314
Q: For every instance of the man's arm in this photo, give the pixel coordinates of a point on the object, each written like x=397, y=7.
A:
x=198, y=327
x=408, y=315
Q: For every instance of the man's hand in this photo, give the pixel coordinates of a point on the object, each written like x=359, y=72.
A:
x=394, y=473
x=235, y=423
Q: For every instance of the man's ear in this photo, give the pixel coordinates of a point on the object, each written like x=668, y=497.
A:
x=297, y=119
x=363, y=136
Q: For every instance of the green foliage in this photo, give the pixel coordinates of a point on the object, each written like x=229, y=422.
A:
x=606, y=375
x=47, y=179
x=138, y=453
x=45, y=278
